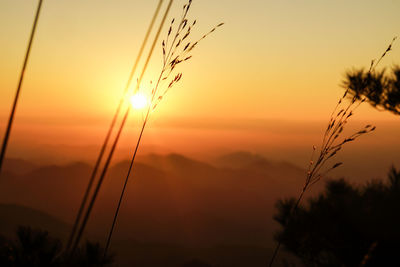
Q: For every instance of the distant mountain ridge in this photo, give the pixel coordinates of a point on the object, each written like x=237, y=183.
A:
x=169, y=197
x=18, y=166
x=17, y=215
x=240, y=160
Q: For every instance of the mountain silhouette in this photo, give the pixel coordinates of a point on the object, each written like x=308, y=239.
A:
x=240, y=160
x=17, y=215
x=18, y=166
x=170, y=199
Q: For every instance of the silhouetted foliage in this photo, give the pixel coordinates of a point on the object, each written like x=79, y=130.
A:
x=33, y=247
x=345, y=225
x=380, y=88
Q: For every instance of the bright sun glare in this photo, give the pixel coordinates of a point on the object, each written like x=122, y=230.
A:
x=139, y=101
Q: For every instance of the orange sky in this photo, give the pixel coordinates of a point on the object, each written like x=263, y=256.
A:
x=272, y=60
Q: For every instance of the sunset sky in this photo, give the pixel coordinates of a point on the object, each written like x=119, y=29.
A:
x=273, y=62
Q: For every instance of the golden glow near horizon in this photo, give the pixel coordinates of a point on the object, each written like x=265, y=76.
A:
x=269, y=77
x=139, y=101
x=271, y=59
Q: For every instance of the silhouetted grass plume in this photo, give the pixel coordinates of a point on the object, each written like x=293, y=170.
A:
x=175, y=51
x=333, y=141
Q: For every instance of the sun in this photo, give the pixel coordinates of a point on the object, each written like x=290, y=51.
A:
x=139, y=101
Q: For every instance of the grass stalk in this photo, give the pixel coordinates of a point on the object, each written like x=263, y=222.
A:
x=109, y=158
x=21, y=79
x=124, y=187
x=169, y=63
x=106, y=140
x=330, y=143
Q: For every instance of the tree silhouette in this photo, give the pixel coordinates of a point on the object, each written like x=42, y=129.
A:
x=381, y=88
x=31, y=248
x=34, y=247
x=345, y=225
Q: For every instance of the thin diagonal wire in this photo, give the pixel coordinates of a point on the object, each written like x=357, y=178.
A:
x=105, y=168
x=104, y=146
x=21, y=79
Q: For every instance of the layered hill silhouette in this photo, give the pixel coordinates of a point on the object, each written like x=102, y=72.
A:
x=15, y=215
x=171, y=199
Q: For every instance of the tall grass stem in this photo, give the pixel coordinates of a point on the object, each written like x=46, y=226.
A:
x=21, y=79
x=105, y=168
x=106, y=140
x=169, y=63
x=124, y=187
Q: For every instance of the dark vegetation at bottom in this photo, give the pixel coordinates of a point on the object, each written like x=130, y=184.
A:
x=34, y=247
x=345, y=225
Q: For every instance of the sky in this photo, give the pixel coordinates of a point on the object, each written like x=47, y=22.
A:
x=274, y=65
